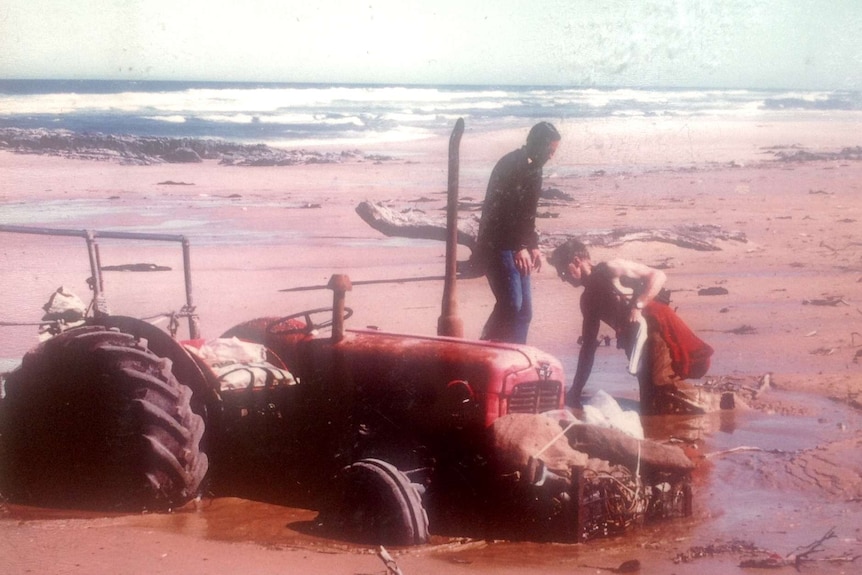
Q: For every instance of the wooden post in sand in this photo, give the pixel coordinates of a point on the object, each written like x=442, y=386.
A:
x=450, y=323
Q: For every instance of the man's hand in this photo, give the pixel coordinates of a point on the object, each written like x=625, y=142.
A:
x=528, y=260
x=536, y=255
x=523, y=262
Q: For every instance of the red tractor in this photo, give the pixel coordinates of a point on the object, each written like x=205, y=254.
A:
x=371, y=427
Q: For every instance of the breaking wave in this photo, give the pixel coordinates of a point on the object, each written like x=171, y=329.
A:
x=285, y=114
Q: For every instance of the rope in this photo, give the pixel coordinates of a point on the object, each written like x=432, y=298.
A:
x=556, y=437
x=173, y=318
x=182, y=313
x=638, y=482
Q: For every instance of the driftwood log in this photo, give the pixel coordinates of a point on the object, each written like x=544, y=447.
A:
x=418, y=225
x=415, y=224
x=700, y=237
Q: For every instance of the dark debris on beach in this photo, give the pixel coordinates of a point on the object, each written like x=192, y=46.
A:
x=798, y=154
x=141, y=150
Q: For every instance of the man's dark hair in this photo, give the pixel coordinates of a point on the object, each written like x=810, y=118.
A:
x=563, y=254
x=542, y=134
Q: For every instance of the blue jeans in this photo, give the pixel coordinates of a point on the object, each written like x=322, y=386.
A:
x=510, y=319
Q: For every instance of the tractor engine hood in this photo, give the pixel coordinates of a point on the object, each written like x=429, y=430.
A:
x=420, y=372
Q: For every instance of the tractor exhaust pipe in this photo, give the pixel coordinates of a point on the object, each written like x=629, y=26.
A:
x=340, y=285
x=449, y=323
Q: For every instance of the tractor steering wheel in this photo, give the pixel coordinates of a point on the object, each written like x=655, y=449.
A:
x=283, y=325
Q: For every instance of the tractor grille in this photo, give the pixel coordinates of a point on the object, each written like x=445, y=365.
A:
x=535, y=397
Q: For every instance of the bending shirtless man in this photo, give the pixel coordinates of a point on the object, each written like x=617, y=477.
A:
x=622, y=293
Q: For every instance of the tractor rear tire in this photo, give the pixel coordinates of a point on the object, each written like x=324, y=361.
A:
x=375, y=503
x=95, y=420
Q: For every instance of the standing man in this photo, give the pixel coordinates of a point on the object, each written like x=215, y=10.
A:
x=508, y=245
x=662, y=349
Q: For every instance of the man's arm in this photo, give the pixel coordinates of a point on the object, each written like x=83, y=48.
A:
x=587, y=355
x=529, y=184
x=653, y=280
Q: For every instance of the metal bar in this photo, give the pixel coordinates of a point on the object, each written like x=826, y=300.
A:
x=94, y=233
x=194, y=328
x=99, y=266
x=96, y=264
x=368, y=282
x=43, y=231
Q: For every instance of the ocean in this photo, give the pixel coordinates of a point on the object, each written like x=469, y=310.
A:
x=296, y=115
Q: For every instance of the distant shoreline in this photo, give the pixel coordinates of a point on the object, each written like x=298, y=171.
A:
x=131, y=150
x=149, y=150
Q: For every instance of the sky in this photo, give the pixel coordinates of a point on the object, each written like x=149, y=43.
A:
x=766, y=44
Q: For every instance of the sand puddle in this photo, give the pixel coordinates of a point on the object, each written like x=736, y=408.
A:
x=748, y=481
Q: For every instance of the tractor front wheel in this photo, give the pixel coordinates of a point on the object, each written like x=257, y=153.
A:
x=375, y=503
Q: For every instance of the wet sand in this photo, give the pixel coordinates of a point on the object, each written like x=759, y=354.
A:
x=256, y=231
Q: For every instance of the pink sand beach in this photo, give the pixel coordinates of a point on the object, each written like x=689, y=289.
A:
x=793, y=309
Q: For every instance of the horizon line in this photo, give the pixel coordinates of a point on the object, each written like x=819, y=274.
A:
x=607, y=87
